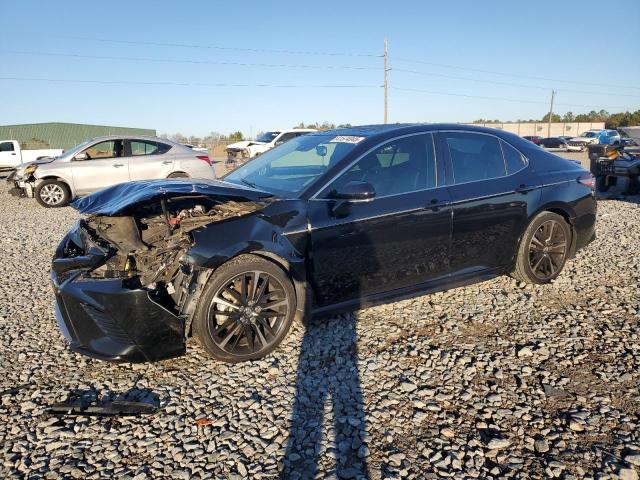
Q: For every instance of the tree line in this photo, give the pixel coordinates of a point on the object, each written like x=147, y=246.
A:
x=611, y=120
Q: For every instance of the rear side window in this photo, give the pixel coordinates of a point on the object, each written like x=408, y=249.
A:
x=474, y=156
x=146, y=147
x=6, y=147
x=514, y=160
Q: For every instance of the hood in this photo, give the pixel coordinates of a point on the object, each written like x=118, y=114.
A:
x=113, y=201
x=244, y=144
x=22, y=167
x=633, y=132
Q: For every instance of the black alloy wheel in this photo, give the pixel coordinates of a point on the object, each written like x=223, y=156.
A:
x=246, y=310
x=548, y=249
x=543, y=250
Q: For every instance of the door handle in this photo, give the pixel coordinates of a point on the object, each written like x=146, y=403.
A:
x=13, y=153
x=118, y=165
x=522, y=188
x=167, y=162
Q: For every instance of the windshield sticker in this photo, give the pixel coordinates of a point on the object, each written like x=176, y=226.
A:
x=346, y=139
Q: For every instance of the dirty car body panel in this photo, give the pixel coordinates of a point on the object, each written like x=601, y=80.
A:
x=128, y=277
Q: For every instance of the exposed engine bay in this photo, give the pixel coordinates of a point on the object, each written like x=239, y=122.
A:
x=146, y=246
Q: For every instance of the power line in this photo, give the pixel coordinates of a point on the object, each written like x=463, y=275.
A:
x=218, y=47
x=492, y=72
x=519, y=85
x=516, y=100
x=185, y=61
x=180, y=84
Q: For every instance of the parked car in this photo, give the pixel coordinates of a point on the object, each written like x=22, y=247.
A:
x=595, y=137
x=615, y=165
x=109, y=160
x=628, y=142
x=557, y=143
x=12, y=155
x=246, y=149
x=566, y=138
x=196, y=149
x=533, y=138
x=330, y=221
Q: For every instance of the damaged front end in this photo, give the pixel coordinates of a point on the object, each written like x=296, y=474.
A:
x=123, y=290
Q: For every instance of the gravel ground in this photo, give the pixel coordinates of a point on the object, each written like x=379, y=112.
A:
x=495, y=380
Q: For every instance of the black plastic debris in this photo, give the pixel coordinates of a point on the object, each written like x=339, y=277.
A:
x=108, y=409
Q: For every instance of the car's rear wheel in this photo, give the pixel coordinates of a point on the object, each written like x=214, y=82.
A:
x=543, y=249
x=246, y=310
x=52, y=193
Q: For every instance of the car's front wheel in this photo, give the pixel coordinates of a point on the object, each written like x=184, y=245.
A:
x=245, y=310
x=52, y=193
x=543, y=249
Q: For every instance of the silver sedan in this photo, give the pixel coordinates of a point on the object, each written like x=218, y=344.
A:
x=105, y=161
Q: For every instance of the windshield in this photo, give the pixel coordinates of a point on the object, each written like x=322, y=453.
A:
x=267, y=137
x=291, y=167
x=588, y=134
x=76, y=149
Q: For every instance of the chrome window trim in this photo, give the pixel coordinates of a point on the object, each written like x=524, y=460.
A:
x=503, y=159
x=356, y=160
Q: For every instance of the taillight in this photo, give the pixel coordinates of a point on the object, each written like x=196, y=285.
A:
x=204, y=158
x=588, y=180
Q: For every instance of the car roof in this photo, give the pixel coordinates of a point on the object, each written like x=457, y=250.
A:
x=132, y=137
x=400, y=128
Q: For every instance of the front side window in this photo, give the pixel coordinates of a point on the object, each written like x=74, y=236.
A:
x=474, y=157
x=146, y=147
x=290, y=168
x=108, y=149
x=514, y=160
x=6, y=147
x=399, y=166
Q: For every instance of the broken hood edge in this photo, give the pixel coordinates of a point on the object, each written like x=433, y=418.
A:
x=115, y=200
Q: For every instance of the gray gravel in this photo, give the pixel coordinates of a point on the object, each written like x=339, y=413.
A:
x=494, y=380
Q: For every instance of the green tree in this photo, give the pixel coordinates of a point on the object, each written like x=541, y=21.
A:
x=568, y=117
x=554, y=118
x=236, y=136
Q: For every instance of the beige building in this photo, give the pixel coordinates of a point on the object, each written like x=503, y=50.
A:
x=541, y=129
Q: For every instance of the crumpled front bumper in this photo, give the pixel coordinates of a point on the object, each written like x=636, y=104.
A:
x=104, y=318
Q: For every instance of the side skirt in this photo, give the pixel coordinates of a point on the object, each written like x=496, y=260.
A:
x=391, y=296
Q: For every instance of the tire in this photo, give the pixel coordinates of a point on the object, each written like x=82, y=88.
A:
x=543, y=249
x=178, y=175
x=601, y=183
x=242, y=328
x=52, y=194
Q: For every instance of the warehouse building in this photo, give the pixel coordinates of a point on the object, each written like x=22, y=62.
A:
x=62, y=135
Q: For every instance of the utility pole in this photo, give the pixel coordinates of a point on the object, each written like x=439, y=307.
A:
x=386, y=82
x=553, y=94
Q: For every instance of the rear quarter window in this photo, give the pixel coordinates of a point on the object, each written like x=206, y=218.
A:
x=513, y=159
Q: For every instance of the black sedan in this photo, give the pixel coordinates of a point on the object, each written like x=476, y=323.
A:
x=330, y=221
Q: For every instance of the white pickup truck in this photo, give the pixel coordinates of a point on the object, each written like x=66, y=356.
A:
x=11, y=155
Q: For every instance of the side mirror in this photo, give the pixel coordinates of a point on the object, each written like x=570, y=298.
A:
x=81, y=156
x=355, y=192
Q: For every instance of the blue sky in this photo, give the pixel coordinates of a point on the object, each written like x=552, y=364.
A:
x=560, y=41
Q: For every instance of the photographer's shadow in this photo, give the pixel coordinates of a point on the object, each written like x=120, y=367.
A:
x=327, y=387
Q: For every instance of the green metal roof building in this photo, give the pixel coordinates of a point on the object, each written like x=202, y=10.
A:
x=62, y=135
